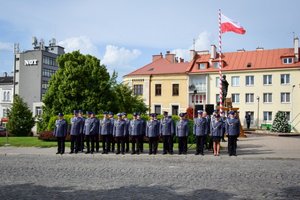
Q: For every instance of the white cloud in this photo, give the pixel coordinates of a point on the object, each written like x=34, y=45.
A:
x=202, y=42
x=82, y=43
x=6, y=46
x=115, y=56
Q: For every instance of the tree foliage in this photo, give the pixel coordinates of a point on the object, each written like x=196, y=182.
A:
x=20, y=118
x=280, y=123
x=82, y=82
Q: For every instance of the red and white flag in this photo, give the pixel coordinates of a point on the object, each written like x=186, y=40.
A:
x=228, y=25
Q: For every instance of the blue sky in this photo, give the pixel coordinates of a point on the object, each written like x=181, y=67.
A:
x=124, y=34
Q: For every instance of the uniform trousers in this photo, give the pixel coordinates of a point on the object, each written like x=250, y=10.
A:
x=120, y=144
x=200, y=141
x=75, y=143
x=105, y=143
x=182, y=146
x=153, y=143
x=141, y=143
x=167, y=144
x=126, y=140
x=61, y=144
x=81, y=143
x=90, y=141
x=232, y=144
x=97, y=136
x=135, y=142
x=111, y=144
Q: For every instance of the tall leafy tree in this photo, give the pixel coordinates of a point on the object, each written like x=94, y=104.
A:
x=20, y=118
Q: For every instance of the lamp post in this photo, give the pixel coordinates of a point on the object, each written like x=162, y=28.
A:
x=292, y=97
x=195, y=92
x=257, y=98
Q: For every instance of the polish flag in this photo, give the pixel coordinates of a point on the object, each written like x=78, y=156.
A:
x=228, y=25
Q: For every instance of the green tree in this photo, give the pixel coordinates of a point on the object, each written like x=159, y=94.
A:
x=280, y=123
x=20, y=118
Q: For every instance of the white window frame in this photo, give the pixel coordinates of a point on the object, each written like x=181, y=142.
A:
x=269, y=79
x=288, y=60
x=235, y=81
x=285, y=97
x=249, y=97
x=217, y=82
x=237, y=97
x=250, y=79
x=285, y=79
x=267, y=116
x=269, y=97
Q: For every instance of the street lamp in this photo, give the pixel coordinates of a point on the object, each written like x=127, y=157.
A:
x=257, y=98
x=195, y=92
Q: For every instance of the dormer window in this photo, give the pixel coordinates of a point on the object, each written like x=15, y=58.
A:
x=215, y=65
x=288, y=60
x=202, y=66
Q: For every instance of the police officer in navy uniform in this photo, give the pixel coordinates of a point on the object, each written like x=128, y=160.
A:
x=126, y=127
x=141, y=137
x=111, y=146
x=81, y=135
x=167, y=132
x=233, y=131
x=60, y=132
x=94, y=131
x=152, y=132
x=75, y=132
x=182, y=132
x=135, y=131
x=200, y=131
x=118, y=133
x=105, y=130
x=216, y=133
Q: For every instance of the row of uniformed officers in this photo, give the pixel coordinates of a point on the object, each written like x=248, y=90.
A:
x=122, y=131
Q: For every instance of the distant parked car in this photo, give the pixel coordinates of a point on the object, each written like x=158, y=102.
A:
x=2, y=131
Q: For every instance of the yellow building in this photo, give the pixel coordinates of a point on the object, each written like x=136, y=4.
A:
x=163, y=84
x=261, y=82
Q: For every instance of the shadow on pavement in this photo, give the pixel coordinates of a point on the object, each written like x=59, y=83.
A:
x=32, y=191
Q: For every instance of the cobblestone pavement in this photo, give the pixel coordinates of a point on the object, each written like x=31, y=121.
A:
x=26, y=175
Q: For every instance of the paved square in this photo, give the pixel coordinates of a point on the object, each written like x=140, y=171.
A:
x=262, y=170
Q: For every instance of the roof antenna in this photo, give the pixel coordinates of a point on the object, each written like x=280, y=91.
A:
x=194, y=42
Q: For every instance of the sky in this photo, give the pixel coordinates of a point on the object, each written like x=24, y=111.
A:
x=124, y=34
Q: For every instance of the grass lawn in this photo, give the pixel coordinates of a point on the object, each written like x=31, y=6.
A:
x=35, y=142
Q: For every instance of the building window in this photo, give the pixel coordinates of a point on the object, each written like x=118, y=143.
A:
x=249, y=80
x=249, y=97
x=235, y=81
x=5, y=112
x=288, y=115
x=48, y=72
x=202, y=66
x=267, y=98
x=49, y=61
x=216, y=65
x=285, y=97
x=235, y=98
x=217, y=82
x=267, y=116
x=267, y=79
x=157, y=89
x=175, y=110
x=198, y=98
x=6, y=96
x=175, y=89
x=217, y=98
x=38, y=111
x=285, y=78
x=251, y=116
x=287, y=60
x=138, y=89
x=45, y=85
x=157, y=109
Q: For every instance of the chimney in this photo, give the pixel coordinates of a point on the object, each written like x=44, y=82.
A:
x=241, y=50
x=170, y=57
x=213, y=53
x=181, y=60
x=296, y=49
x=156, y=57
x=259, y=48
x=193, y=54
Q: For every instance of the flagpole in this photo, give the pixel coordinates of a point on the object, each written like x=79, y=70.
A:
x=220, y=63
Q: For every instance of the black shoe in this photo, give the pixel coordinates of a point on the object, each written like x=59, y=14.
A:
x=197, y=153
x=61, y=153
x=76, y=152
x=179, y=153
x=92, y=152
x=103, y=152
x=132, y=153
x=71, y=152
x=171, y=153
x=87, y=152
x=123, y=153
x=117, y=153
x=164, y=153
x=57, y=152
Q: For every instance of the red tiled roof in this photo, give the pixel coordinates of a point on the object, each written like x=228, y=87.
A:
x=161, y=66
x=258, y=59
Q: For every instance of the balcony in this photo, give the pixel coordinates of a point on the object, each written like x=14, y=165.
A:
x=198, y=87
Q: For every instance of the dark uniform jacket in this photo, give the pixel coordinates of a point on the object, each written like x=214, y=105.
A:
x=75, y=126
x=119, y=128
x=94, y=126
x=61, y=127
x=87, y=126
x=233, y=127
x=152, y=128
x=217, y=128
x=135, y=127
x=126, y=126
x=182, y=128
x=200, y=126
x=106, y=127
x=167, y=126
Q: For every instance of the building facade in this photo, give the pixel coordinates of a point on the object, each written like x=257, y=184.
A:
x=33, y=70
x=6, y=96
x=261, y=82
